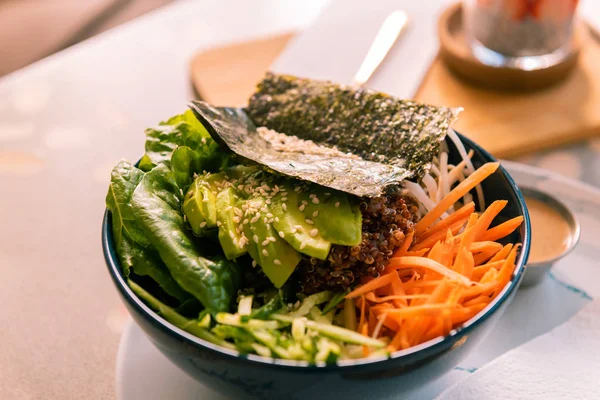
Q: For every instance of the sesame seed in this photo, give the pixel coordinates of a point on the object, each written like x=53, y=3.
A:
x=269, y=215
x=312, y=195
x=265, y=242
x=236, y=219
x=264, y=209
x=228, y=208
x=313, y=232
x=316, y=214
x=218, y=223
x=309, y=221
x=315, y=200
x=327, y=194
x=265, y=253
x=268, y=201
x=184, y=218
x=298, y=227
x=266, y=220
x=297, y=189
x=181, y=191
x=276, y=262
x=203, y=140
x=254, y=263
x=237, y=211
x=240, y=187
x=284, y=198
x=246, y=221
x=255, y=238
x=302, y=245
x=202, y=224
x=337, y=204
x=231, y=235
x=271, y=239
x=301, y=208
x=284, y=207
x=255, y=219
x=281, y=234
x=294, y=230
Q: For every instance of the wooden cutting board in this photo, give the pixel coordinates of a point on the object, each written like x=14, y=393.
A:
x=506, y=124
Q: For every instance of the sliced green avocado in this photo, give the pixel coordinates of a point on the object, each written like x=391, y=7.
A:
x=199, y=205
x=274, y=255
x=336, y=215
x=291, y=222
x=229, y=237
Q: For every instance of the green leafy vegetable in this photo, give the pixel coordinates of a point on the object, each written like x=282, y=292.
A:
x=124, y=178
x=157, y=206
x=133, y=248
x=201, y=153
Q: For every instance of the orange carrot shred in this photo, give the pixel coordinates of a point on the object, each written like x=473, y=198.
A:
x=502, y=230
x=370, y=286
x=455, y=194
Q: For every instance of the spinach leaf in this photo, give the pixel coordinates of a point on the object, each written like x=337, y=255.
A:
x=184, y=163
x=184, y=130
x=157, y=206
x=132, y=246
x=123, y=181
x=146, y=262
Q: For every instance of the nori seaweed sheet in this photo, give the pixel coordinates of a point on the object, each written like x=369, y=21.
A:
x=233, y=129
x=372, y=125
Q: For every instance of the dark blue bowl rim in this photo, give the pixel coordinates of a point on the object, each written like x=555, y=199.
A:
x=114, y=269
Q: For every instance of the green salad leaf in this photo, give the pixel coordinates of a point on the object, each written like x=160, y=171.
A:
x=184, y=130
x=156, y=203
x=124, y=178
x=134, y=249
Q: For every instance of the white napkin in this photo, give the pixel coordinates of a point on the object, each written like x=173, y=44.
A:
x=561, y=364
x=334, y=46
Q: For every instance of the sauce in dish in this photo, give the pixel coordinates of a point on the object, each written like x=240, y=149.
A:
x=551, y=233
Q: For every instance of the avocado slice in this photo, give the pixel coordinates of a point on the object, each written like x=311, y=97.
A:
x=336, y=215
x=291, y=222
x=199, y=205
x=274, y=255
x=229, y=237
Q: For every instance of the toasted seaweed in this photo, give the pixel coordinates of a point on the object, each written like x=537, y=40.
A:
x=372, y=125
x=233, y=129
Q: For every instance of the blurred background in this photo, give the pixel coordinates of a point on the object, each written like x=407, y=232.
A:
x=33, y=29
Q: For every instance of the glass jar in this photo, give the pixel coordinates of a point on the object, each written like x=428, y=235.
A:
x=525, y=34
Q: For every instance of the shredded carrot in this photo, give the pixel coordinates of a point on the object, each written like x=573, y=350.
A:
x=455, y=194
x=445, y=272
x=418, y=253
x=422, y=262
x=488, y=216
x=462, y=215
x=372, y=285
x=431, y=240
x=405, y=245
x=502, y=230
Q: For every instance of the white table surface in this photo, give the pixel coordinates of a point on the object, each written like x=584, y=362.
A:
x=64, y=122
